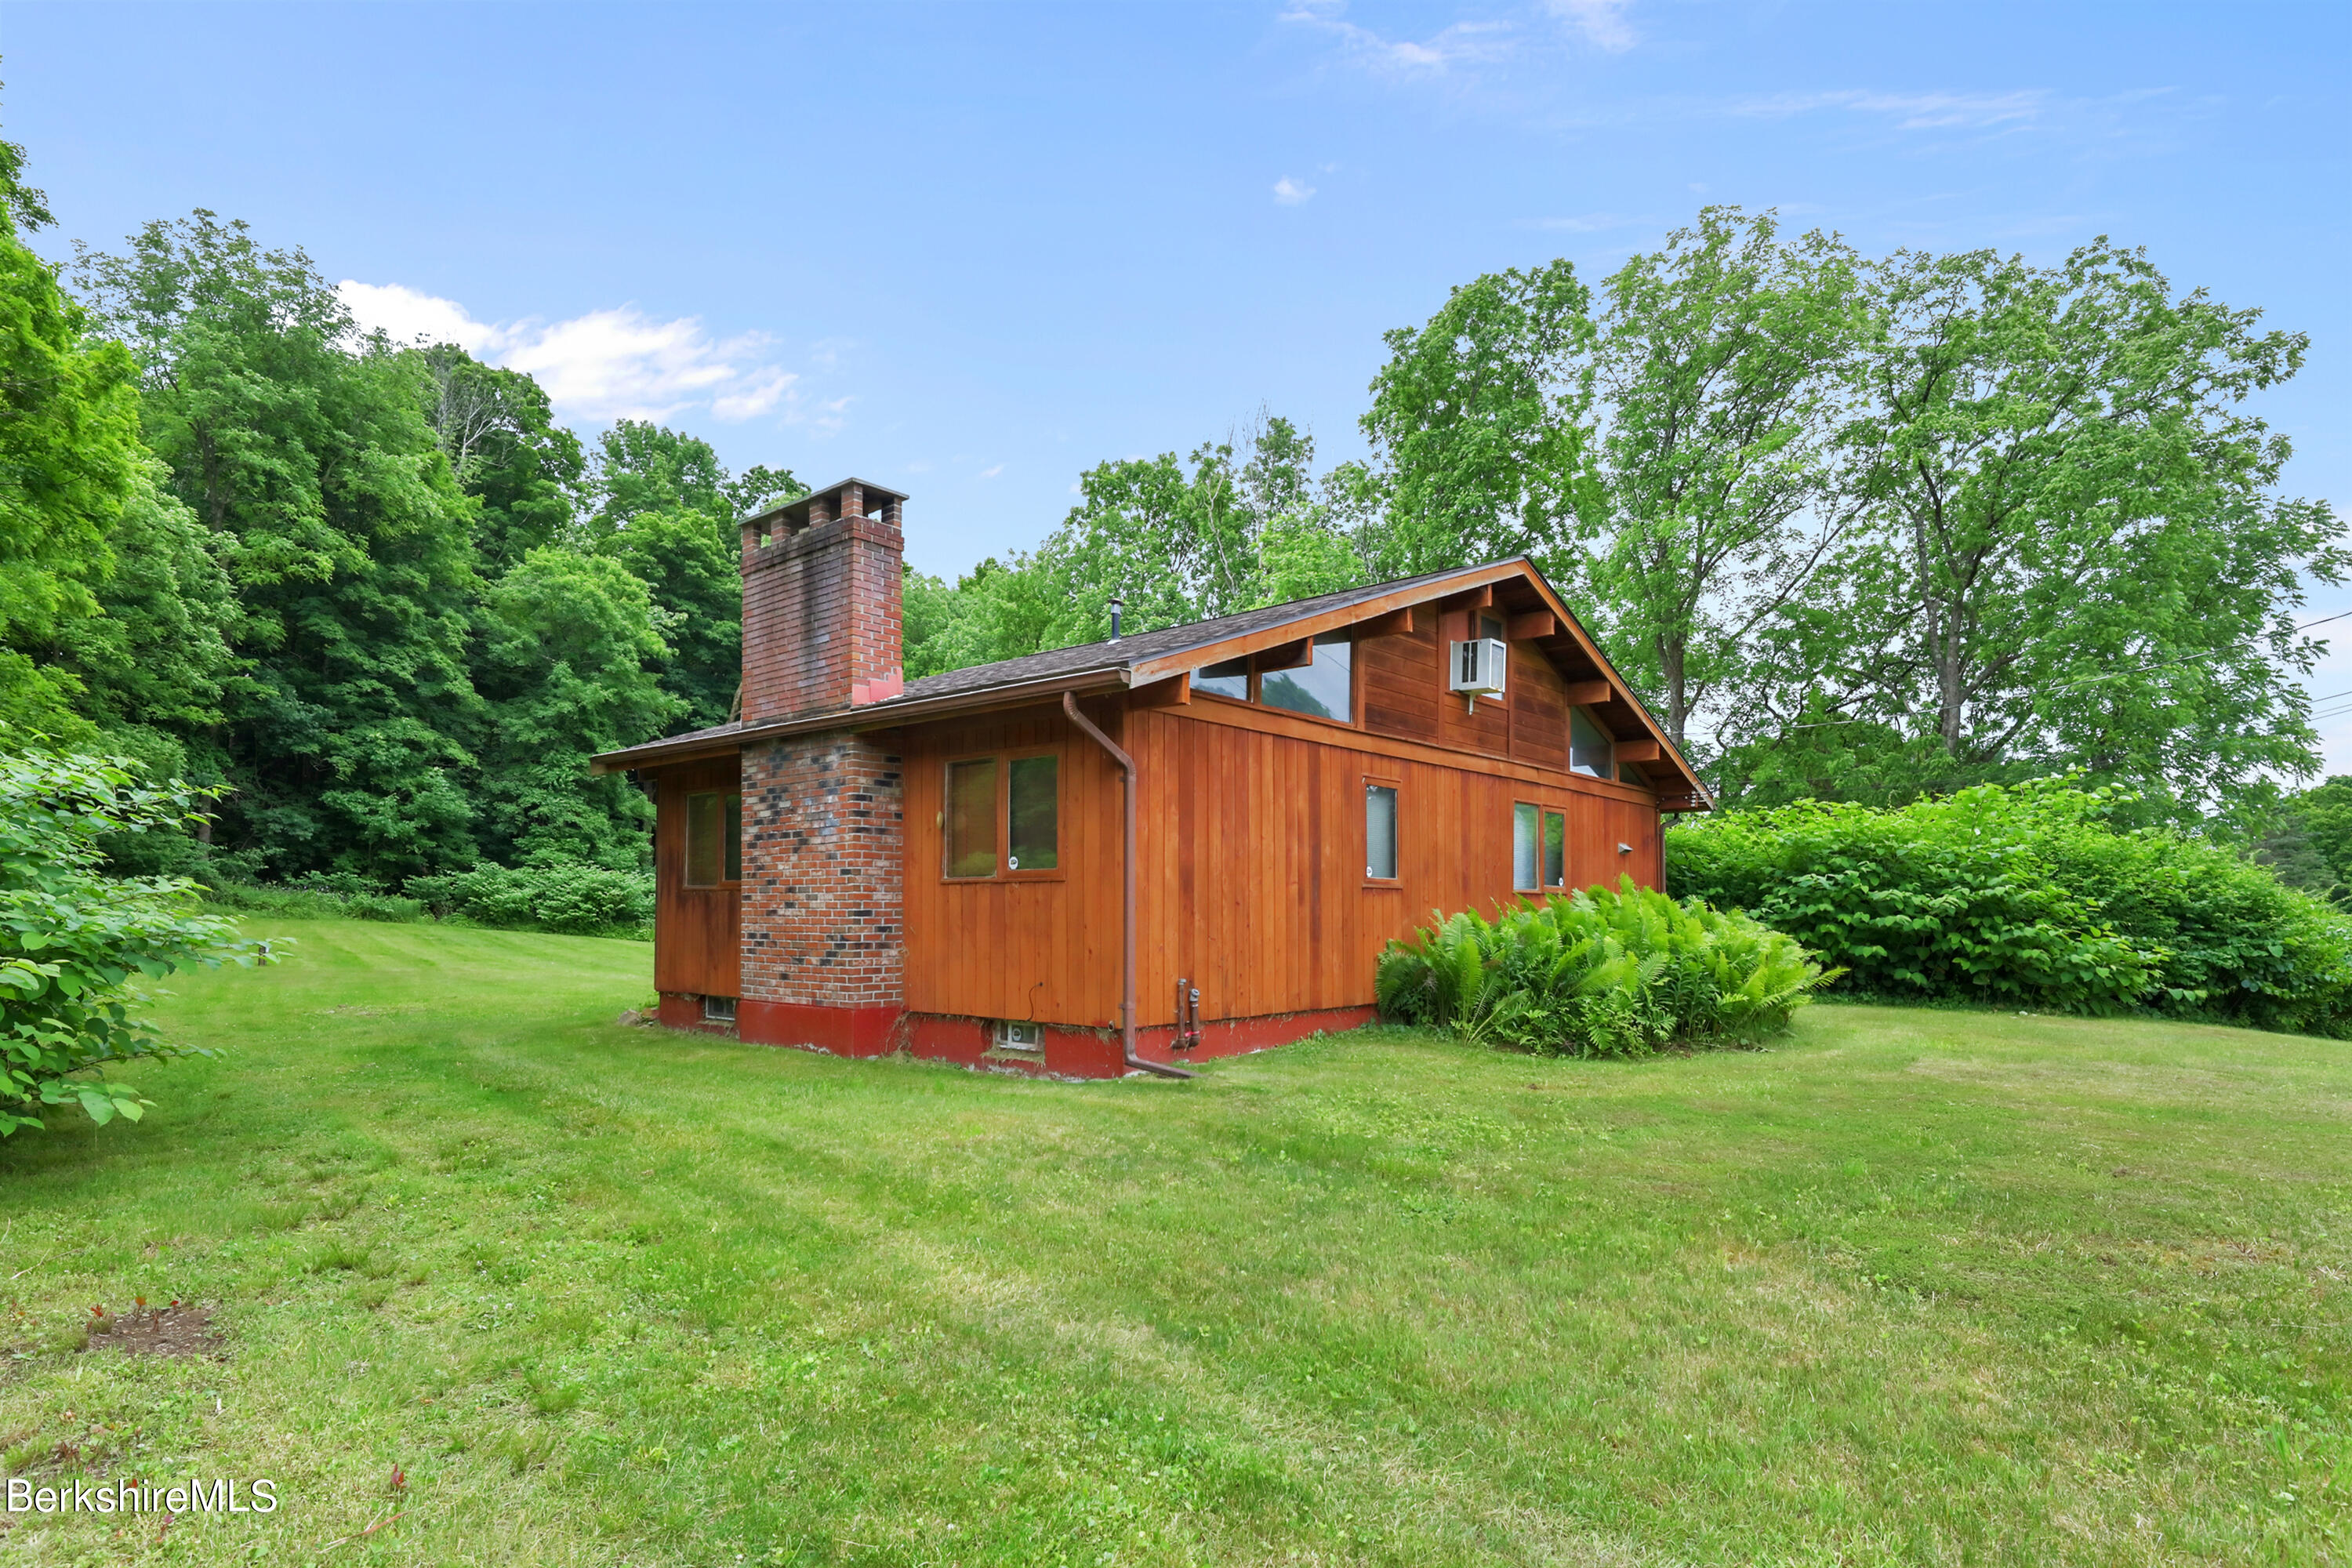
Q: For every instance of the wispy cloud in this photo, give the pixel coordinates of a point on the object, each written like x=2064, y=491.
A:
x=617, y=363
x=1587, y=223
x=1602, y=22
x=1464, y=43
x=991, y=473
x=1289, y=193
x=1910, y=111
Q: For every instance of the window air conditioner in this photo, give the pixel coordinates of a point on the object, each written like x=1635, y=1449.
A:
x=1479, y=665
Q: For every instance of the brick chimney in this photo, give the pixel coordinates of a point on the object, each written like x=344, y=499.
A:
x=821, y=614
x=823, y=892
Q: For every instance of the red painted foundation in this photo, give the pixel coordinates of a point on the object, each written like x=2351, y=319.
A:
x=844, y=1031
x=1067, y=1053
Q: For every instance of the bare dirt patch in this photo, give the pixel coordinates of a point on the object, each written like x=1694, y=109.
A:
x=180, y=1330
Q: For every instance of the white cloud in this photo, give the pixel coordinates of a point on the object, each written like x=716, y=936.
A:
x=1464, y=43
x=1289, y=193
x=991, y=473
x=1913, y=111
x=1588, y=223
x=1602, y=22
x=617, y=363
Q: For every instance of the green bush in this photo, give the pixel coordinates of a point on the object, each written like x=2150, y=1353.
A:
x=2035, y=895
x=318, y=897
x=73, y=941
x=1600, y=974
x=579, y=901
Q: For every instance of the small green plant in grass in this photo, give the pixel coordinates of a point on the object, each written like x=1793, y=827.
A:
x=1600, y=974
x=74, y=942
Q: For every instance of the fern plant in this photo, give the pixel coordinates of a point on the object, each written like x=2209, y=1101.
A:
x=1600, y=973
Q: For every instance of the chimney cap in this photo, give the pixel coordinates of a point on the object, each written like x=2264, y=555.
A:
x=795, y=514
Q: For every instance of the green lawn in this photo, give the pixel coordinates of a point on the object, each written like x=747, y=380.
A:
x=1914, y=1287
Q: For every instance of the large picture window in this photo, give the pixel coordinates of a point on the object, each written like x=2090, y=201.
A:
x=714, y=839
x=1004, y=816
x=1381, y=832
x=1325, y=687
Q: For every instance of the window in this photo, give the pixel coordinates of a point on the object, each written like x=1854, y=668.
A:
x=1033, y=813
x=714, y=839
x=1381, y=832
x=1491, y=627
x=1023, y=822
x=1554, y=850
x=972, y=818
x=1230, y=679
x=1588, y=746
x=1324, y=688
x=1527, y=847
x=1013, y=1035
x=719, y=1009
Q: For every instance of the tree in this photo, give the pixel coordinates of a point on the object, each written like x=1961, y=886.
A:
x=506, y=450
x=2072, y=555
x=306, y=450
x=73, y=941
x=569, y=665
x=69, y=457
x=1482, y=419
x=1720, y=364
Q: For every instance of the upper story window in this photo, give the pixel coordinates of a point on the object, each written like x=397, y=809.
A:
x=1002, y=816
x=1323, y=687
x=1590, y=750
x=714, y=839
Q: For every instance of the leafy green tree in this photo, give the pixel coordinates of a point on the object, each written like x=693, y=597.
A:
x=2072, y=551
x=642, y=467
x=74, y=942
x=568, y=665
x=1482, y=420
x=507, y=452
x=1720, y=364
x=306, y=450
x=69, y=457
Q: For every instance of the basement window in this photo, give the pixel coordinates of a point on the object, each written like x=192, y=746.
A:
x=714, y=841
x=719, y=1009
x=1588, y=746
x=1011, y=1035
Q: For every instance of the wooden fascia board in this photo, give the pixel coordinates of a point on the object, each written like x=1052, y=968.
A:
x=1308, y=627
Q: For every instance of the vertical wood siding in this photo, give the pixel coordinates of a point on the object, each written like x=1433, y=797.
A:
x=697, y=932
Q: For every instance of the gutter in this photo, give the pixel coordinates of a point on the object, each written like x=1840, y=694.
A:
x=1126, y=874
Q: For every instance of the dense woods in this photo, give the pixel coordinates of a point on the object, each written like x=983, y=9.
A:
x=1859, y=527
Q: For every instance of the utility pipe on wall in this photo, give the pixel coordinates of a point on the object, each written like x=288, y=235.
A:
x=1126, y=874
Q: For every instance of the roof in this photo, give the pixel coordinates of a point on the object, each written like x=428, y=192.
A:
x=1129, y=653
x=1129, y=661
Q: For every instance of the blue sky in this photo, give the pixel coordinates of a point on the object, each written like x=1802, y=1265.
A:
x=969, y=250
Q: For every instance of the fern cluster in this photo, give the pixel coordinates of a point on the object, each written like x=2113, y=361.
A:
x=1600, y=974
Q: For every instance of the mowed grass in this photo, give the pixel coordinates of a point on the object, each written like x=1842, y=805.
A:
x=1914, y=1287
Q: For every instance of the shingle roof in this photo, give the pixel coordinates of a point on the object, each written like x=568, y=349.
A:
x=1087, y=658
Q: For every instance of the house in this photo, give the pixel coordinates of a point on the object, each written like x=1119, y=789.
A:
x=1180, y=844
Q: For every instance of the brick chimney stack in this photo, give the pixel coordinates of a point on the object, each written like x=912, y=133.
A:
x=821, y=603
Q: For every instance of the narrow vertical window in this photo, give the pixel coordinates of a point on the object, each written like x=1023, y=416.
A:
x=1525, y=847
x=972, y=818
x=1555, y=867
x=714, y=839
x=1381, y=832
x=1588, y=746
x=1033, y=811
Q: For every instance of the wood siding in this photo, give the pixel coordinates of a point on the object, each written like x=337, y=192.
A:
x=697, y=932
x=1041, y=948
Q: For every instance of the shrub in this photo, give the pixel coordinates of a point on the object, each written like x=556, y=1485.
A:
x=72, y=940
x=318, y=897
x=1600, y=974
x=579, y=901
x=2036, y=895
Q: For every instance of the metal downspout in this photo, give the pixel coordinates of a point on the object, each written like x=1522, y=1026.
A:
x=1127, y=928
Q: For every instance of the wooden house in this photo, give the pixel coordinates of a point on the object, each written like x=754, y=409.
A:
x=1182, y=843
